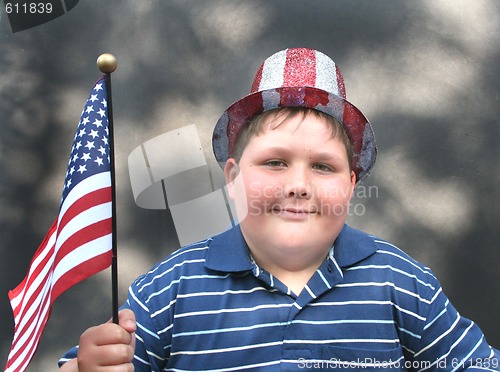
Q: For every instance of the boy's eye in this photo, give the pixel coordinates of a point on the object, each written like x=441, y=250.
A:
x=323, y=167
x=275, y=163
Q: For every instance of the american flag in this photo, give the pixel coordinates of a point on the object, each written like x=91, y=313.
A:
x=79, y=242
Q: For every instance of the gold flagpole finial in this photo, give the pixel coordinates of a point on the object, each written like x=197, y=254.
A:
x=107, y=63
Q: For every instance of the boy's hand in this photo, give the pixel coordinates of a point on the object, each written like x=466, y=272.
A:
x=108, y=347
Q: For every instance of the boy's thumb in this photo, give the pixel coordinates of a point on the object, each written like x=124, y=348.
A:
x=126, y=320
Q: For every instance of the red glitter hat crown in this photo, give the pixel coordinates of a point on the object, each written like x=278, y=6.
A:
x=298, y=77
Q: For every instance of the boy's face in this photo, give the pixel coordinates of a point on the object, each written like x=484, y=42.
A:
x=292, y=191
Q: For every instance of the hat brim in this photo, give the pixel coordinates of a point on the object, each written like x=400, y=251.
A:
x=356, y=125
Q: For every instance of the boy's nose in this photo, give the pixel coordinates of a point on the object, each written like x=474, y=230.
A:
x=297, y=184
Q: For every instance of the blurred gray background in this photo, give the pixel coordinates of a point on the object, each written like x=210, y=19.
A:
x=426, y=73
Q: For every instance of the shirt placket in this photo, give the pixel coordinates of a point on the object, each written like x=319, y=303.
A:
x=324, y=279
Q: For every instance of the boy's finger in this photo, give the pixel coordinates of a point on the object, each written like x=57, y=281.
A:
x=105, y=334
x=117, y=354
x=126, y=320
x=117, y=357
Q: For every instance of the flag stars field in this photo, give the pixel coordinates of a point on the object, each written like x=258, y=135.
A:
x=91, y=149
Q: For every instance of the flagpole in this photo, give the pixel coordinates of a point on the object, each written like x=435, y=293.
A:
x=107, y=64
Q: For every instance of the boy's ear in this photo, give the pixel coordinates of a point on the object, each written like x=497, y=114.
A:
x=353, y=178
x=353, y=183
x=231, y=171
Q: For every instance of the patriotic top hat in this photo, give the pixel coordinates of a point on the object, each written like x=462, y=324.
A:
x=298, y=77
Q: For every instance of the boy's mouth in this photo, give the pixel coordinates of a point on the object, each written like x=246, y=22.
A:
x=293, y=212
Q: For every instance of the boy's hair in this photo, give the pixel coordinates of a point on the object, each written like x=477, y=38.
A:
x=255, y=127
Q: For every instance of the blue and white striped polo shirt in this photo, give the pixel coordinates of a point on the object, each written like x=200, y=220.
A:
x=209, y=307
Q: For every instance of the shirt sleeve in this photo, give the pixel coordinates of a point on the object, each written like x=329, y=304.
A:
x=69, y=355
x=451, y=342
x=151, y=353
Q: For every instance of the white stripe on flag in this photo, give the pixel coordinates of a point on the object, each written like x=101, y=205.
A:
x=33, y=289
x=95, y=182
x=28, y=312
x=34, y=327
x=16, y=301
x=82, y=220
x=83, y=253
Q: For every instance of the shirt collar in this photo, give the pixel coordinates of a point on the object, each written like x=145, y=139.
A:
x=353, y=246
x=228, y=252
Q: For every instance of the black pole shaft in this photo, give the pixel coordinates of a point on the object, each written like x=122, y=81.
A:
x=114, y=260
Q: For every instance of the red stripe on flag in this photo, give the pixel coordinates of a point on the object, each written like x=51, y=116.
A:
x=81, y=272
x=83, y=236
x=26, y=305
x=36, y=321
x=31, y=328
x=86, y=202
x=32, y=275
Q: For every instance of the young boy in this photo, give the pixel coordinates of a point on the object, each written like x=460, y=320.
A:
x=291, y=287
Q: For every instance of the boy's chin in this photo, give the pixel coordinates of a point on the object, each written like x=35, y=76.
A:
x=293, y=234
x=297, y=237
